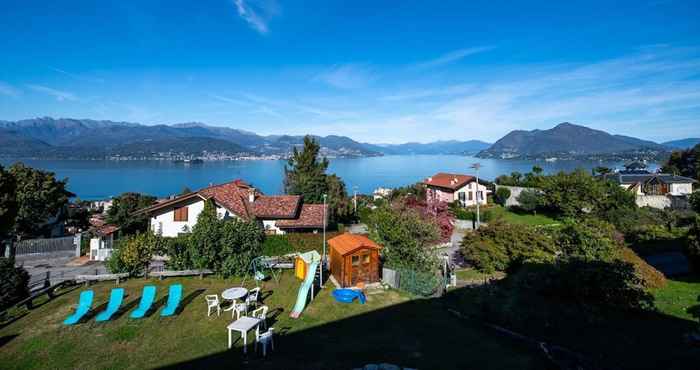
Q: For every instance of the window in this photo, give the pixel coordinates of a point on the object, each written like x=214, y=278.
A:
x=180, y=214
x=355, y=260
x=365, y=258
x=462, y=196
x=479, y=195
x=471, y=195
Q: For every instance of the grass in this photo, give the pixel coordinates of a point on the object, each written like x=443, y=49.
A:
x=522, y=218
x=611, y=338
x=471, y=274
x=392, y=327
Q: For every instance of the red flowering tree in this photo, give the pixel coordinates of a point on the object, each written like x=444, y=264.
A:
x=438, y=213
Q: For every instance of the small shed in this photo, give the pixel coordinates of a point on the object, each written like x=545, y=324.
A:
x=354, y=259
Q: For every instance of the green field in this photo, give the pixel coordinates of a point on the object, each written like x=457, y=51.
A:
x=521, y=218
x=390, y=328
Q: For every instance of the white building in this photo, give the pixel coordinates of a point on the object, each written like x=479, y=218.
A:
x=278, y=214
x=448, y=187
x=102, y=244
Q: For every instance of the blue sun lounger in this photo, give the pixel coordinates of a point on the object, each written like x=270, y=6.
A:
x=84, y=304
x=147, y=298
x=174, y=297
x=115, y=301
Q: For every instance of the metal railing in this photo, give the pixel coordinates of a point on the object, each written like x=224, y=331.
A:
x=39, y=246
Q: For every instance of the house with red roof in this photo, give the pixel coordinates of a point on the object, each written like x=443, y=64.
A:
x=450, y=187
x=277, y=214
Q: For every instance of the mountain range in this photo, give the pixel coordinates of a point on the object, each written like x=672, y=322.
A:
x=91, y=139
x=683, y=143
x=568, y=141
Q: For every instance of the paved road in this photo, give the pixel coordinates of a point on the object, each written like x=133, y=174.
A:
x=59, y=265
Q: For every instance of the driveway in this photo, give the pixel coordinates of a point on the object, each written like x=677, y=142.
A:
x=60, y=266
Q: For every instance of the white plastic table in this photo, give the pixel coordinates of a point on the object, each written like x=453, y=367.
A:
x=234, y=293
x=242, y=325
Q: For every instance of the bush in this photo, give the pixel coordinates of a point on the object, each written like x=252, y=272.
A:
x=14, y=283
x=501, y=246
x=134, y=253
x=178, y=251
x=529, y=200
x=589, y=240
x=651, y=277
x=424, y=284
x=692, y=247
x=241, y=241
x=694, y=200
x=277, y=245
x=502, y=195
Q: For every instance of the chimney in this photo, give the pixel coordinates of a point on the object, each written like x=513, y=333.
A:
x=251, y=195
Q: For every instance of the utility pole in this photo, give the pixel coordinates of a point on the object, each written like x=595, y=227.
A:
x=477, y=166
x=323, y=259
x=354, y=199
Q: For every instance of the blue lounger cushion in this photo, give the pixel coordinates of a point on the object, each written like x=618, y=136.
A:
x=115, y=301
x=147, y=298
x=84, y=304
x=174, y=297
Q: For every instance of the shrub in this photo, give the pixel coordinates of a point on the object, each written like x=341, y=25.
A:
x=404, y=236
x=694, y=200
x=241, y=241
x=502, y=195
x=502, y=246
x=529, y=200
x=277, y=245
x=589, y=240
x=178, y=251
x=14, y=283
x=651, y=277
x=419, y=283
x=134, y=253
x=692, y=247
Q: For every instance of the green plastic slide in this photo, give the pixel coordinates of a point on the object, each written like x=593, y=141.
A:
x=313, y=258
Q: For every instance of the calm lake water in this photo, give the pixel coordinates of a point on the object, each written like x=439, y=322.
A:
x=104, y=179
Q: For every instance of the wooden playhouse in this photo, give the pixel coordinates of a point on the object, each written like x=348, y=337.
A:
x=354, y=259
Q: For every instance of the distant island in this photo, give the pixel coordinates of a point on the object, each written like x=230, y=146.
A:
x=51, y=138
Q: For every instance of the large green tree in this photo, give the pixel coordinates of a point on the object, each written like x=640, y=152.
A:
x=8, y=203
x=39, y=196
x=305, y=174
x=122, y=212
x=684, y=163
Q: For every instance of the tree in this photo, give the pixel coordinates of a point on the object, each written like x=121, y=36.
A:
x=122, y=212
x=601, y=170
x=589, y=240
x=405, y=237
x=694, y=200
x=39, y=197
x=185, y=190
x=684, y=163
x=305, y=174
x=529, y=200
x=8, y=203
x=205, y=238
x=537, y=170
x=14, y=283
x=134, y=253
x=502, y=195
x=692, y=248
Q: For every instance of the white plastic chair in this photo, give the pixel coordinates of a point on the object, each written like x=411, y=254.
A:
x=252, y=298
x=213, y=303
x=264, y=339
x=261, y=314
x=237, y=309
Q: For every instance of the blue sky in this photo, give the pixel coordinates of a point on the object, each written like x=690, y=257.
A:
x=376, y=71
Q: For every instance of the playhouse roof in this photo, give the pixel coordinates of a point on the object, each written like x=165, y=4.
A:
x=348, y=243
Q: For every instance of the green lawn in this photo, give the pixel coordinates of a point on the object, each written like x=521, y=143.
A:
x=391, y=328
x=470, y=274
x=522, y=218
x=680, y=298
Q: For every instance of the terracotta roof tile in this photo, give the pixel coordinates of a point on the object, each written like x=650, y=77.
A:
x=106, y=229
x=348, y=243
x=311, y=216
x=449, y=180
x=276, y=206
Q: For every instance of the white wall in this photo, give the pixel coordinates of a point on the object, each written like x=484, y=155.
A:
x=681, y=189
x=165, y=222
x=271, y=225
x=472, y=188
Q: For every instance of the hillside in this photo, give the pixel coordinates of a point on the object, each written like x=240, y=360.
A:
x=682, y=143
x=567, y=140
x=437, y=147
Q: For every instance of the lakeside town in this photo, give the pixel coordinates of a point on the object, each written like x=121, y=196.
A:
x=622, y=241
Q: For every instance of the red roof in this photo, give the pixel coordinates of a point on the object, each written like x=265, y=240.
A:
x=106, y=229
x=311, y=216
x=348, y=243
x=235, y=197
x=450, y=181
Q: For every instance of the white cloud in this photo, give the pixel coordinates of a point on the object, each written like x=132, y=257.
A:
x=58, y=94
x=452, y=57
x=77, y=76
x=8, y=90
x=347, y=76
x=257, y=13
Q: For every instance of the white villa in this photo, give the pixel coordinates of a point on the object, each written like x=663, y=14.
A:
x=278, y=214
x=449, y=187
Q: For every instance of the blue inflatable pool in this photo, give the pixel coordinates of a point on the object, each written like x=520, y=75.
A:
x=348, y=295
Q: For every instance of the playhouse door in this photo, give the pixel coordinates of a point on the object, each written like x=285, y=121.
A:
x=361, y=267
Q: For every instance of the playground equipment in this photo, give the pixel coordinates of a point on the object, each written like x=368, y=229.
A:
x=306, y=265
x=349, y=295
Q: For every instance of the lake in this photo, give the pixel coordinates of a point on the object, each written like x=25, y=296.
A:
x=103, y=179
